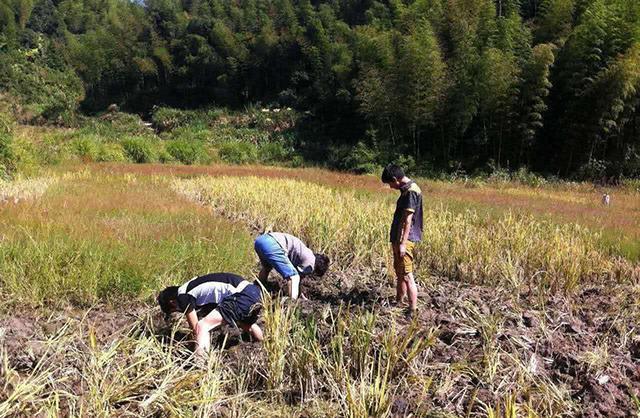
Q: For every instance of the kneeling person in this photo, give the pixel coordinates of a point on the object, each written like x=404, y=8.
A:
x=291, y=259
x=214, y=299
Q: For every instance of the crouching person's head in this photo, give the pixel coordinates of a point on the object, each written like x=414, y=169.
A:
x=168, y=301
x=321, y=265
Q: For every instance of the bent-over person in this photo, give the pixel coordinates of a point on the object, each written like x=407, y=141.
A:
x=290, y=257
x=212, y=300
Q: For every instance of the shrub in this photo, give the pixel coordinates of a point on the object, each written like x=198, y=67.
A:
x=189, y=133
x=223, y=134
x=26, y=156
x=164, y=157
x=43, y=93
x=526, y=177
x=238, y=152
x=114, y=126
x=168, y=118
x=592, y=170
x=140, y=150
x=408, y=163
x=187, y=152
x=85, y=147
x=111, y=152
x=274, y=152
x=272, y=119
x=358, y=159
x=7, y=158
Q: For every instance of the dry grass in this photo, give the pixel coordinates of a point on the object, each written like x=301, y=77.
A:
x=119, y=233
x=560, y=203
x=93, y=236
x=21, y=190
x=571, y=202
x=513, y=251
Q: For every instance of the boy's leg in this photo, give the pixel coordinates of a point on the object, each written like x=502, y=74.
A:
x=293, y=286
x=398, y=265
x=253, y=329
x=273, y=256
x=408, y=279
x=206, y=324
x=401, y=288
x=412, y=291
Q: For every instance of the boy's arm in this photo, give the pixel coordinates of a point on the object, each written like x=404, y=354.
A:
x=264, y=274
x=253, y=329
x=192, y=319
x=404, y=234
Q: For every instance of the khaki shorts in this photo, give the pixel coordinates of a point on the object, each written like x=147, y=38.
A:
x=403, y=265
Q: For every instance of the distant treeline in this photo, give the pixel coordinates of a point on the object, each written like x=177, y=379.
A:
x=552, y=85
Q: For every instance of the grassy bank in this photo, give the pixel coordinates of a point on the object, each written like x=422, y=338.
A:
x=97, y=237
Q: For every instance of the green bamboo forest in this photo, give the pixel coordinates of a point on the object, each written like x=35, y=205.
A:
x=549, y=86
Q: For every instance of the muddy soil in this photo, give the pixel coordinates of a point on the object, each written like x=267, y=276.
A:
x=587, y=344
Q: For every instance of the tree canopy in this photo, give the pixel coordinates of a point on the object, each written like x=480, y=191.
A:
x=551, y=85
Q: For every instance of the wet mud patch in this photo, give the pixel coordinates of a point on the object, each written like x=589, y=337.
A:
x=579, y=353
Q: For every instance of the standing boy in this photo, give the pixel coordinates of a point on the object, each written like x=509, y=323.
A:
x=406, y=230
x=212, y=300
x=290, y=257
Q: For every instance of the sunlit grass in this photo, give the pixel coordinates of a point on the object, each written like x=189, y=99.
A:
x=120, y=233
x=512, y=250
x=93, y=238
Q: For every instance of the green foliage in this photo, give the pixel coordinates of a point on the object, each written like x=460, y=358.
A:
x=43, y=93
x=359, y=159
x=114, y=126
x=550, y=84
x=7, y=158
x=187, y=152
x=556, y=19
x=168, y=119
x=85, y=147
x=238, y=152
x=111, y=152
x=140, y=150
x=273, y=152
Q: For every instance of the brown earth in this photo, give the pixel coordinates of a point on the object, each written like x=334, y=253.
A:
x=586, y=344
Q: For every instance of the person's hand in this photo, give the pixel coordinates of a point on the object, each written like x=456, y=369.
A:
x=303, y=296
x=403, y=249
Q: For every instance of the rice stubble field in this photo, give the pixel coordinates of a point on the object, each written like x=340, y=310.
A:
x=521, y=312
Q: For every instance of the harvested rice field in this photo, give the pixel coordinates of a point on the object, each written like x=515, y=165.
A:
x=528, y=297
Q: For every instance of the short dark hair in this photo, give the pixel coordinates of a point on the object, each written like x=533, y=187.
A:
x=322, y=264
x=165, y=298
x=390, y=172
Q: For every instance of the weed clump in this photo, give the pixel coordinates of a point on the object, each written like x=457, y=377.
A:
x=187, y=152
x=140, y=150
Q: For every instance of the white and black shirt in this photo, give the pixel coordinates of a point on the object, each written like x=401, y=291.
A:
x=206, y=292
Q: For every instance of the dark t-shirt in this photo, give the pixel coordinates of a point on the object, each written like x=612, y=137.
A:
x=410, y=200
x=207, y=291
